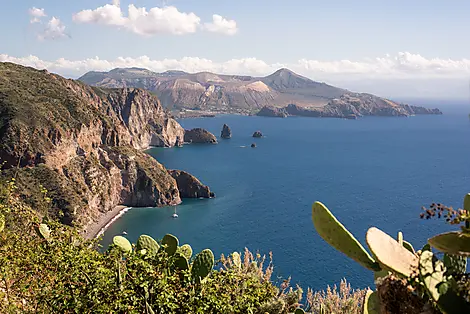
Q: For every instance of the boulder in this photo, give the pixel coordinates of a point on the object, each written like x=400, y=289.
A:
x=258, y=134
x=199, y=135
x=253, y=145
x=189, y=186
x=226, y=132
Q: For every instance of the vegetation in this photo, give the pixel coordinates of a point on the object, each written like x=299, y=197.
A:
x=47, y=267
x=408, y=281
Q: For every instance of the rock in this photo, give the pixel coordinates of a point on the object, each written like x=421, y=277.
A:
x=179, y=141
x=83, y=144
x=199, y=135
x=258, y=134
x=267, y=111
x=253, y=145
x=226, y=132
x=189, y=186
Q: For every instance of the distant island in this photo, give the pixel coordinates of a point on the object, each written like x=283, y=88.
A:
x=283, y=93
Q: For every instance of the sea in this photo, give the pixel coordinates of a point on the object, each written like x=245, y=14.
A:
x=374, y=171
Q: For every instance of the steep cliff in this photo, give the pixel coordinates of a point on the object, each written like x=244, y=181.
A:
x=82, y=144
x=189, y=186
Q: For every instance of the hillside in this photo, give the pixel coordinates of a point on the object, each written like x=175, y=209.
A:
x=247, y=95
x=83, y=144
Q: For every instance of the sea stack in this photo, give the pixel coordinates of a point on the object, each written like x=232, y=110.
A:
x=199, y=135
x=258, y=134
x=226, y=132
x=253, y=145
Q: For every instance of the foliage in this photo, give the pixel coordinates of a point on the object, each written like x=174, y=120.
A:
x=408, y=281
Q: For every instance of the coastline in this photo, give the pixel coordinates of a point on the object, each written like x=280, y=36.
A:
x=96, y=229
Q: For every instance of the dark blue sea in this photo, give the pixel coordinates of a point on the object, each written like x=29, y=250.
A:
x=375, y=171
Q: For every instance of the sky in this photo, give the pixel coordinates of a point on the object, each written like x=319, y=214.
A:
x=391, y=48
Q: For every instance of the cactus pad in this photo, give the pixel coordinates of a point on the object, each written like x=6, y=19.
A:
x=147, y=243
x=336, y=235
x=186, y=251
x=237, y=261
x=390, y=253
x=202, y=265
x=455, y=264
x=371, y=304
x=123, y=244
x=44, y=231
x=181, y=262
x=171, y=243
x=299, y=311
x=432, y=272
x=400, y=237
x=466, y=202
x=407, y=245
x=455, y=243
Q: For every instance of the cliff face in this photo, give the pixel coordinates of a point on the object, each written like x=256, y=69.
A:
x=82, y=143
x=189, y=186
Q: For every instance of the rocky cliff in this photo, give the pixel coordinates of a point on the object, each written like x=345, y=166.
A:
x=83, y=144
x=209, y=92
x=189, y=186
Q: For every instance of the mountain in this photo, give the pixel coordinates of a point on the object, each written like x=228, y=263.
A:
x=247, y=94
x=83, y=144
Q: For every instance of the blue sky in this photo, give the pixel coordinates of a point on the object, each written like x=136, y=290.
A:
x=381, y=46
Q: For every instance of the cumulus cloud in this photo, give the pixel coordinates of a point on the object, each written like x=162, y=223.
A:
x=403, y=65
x=140, y=21
x=221, y=25
x=36, y=14
x=54, y=29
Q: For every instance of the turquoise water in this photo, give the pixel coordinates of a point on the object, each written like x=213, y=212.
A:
x=369, y=172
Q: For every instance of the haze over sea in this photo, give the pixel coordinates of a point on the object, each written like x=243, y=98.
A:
x=375, y=171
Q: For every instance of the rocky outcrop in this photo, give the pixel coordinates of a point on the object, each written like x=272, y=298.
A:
x=189, y=186
x=253, y=145
x=83, y=144
x=226, y=132
x=272, y=112
x=257, y=134
x=199, y=136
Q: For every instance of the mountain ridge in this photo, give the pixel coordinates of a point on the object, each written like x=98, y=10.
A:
x=244, y=94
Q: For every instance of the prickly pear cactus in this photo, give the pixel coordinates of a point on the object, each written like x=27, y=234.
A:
x=45, y=232
x=466, y=202
x=202, y=265
x=123, y=244
x=237, y=261
x=400, y=237
x=455, y=264
x=148, y=244
x=432, y=272
x=371, y=304
x=186, y=251
x=455, y=243
x=336, y=235
x=171, y=243
x=2, y=222
x=407, y=245
x=299, y=311
x=390, y=253
x=180, y=262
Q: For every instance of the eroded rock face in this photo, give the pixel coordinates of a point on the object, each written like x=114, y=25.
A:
x=82, y=144
x=258, y=134
x=226, y=132
x=199, y=136
x=189, y=186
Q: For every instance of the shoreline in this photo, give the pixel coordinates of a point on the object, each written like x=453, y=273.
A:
x=96, y=229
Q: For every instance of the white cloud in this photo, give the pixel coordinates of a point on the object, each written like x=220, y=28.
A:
x=36, y=14
x=221, y=25
x=140, y=21
x=404, y=74
x=54, y=29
